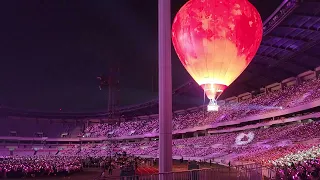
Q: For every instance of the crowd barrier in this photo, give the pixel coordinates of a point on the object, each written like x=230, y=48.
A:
x=252, y=172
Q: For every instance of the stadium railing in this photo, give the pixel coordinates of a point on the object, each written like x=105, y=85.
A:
x=232, y=173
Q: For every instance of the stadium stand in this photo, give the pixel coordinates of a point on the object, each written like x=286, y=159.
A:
x=288, y=97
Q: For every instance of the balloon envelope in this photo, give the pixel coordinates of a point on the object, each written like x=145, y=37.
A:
x=216, y=40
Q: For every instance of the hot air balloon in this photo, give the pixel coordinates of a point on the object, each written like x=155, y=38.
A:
x=215, y=41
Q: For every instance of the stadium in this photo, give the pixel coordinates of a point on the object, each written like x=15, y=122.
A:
x=264, y=125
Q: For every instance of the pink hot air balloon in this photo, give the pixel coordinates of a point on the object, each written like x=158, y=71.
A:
x=215, y=41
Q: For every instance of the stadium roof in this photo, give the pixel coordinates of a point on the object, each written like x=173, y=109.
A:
x=288, y=49
x=291, y=45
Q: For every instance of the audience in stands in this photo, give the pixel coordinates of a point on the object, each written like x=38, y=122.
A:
x=280, y=147
x=267, y=145
x=288, y=97
x=308, y=170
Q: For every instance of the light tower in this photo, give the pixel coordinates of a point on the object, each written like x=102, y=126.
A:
x=112, y=84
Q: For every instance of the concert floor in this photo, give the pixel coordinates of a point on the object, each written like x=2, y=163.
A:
x=94, y=173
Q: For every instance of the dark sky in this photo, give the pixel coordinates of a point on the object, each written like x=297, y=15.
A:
x=52, y=50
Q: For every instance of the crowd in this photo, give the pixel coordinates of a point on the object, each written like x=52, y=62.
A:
x=262, y=145
x=36, y=166
x=305, y=170
x=62, y=165
x=127, y=164
x=288, y=97
x=300, y=156
x=279, y=146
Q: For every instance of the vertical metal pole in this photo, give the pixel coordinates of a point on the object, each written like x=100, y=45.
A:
x=109, y=96
x=165, y=89
x=204, y=102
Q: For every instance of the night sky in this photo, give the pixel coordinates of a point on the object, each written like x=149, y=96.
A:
x=52, y=51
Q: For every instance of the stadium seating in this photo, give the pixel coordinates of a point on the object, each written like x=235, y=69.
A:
x=291, y=96
x=267, y=145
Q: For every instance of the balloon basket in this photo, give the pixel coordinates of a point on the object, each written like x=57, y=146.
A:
x=212, y=106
